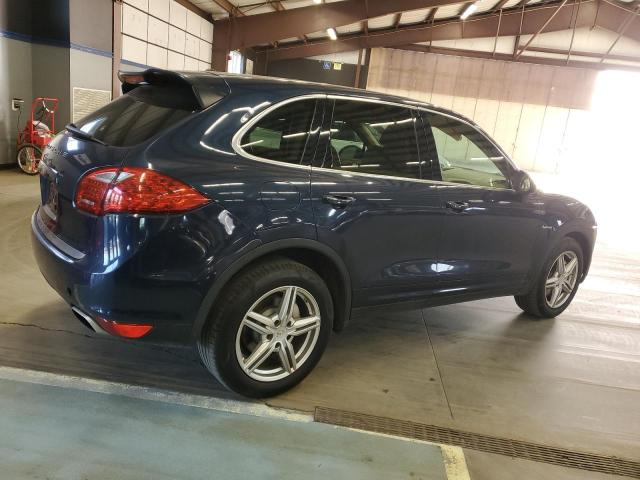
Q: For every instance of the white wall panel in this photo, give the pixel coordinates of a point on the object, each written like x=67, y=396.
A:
x=156, y=56
x=178, y=15
x=191, y=64
x=134, y=50
x=193, y=23
x=160, y=9
x=175, y=61
x=141, y=4
x=192, y=46
x=537, y=113
x=176, y=39
x=528, y=135
x=158, y=32
x=134, y=22
x=486, y=114
x=206, y=30
x=203, y=66
x=205, y=52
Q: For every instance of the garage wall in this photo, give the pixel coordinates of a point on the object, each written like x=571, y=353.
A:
x=90, y=55
x=539, y=114
x=165, y=34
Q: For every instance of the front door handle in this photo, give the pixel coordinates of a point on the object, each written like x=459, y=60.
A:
x=457, y=206
x=337, y=201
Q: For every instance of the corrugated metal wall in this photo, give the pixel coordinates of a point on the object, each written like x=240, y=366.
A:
x=537, y=113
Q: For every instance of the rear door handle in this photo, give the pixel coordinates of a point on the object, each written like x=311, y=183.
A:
x=457, y=206
x=337, y=201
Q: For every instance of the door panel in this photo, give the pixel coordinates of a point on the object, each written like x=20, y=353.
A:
x=489, y=243
x=386, y=228
x=490, y=231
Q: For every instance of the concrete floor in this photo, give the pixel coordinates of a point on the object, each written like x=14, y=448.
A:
x=572, y=382
x=63, y=433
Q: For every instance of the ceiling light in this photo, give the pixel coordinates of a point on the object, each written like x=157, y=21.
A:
x=468, y=11
x=317, y=2
x=332, y=33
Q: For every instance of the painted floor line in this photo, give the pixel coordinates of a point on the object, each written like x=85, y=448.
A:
x=453, y=457
x=147, y=393
x=455, y=463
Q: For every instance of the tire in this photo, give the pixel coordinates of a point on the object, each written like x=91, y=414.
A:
x=227, y=342
x=539, y=301
x=28, y=158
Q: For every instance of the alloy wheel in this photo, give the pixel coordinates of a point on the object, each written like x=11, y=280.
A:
x=278, y=333
x=561, y=279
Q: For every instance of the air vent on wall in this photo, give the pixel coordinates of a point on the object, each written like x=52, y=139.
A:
x=88, y=100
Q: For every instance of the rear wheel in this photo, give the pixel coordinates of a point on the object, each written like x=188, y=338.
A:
x=29, y=158
x=269, y=328
x=557, y=283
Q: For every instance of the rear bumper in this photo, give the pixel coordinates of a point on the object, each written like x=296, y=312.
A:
x=117, y=292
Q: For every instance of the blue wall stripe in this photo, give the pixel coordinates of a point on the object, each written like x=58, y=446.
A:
x=53, y=42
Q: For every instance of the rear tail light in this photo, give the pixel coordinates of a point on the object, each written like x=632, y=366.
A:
x=135, y=190
x=125, y=330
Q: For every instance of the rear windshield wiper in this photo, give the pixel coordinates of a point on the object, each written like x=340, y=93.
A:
x=80, y=133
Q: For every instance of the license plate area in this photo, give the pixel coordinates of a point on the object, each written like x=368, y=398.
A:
x=50, y=201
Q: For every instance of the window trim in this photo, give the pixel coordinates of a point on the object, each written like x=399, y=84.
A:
x=235, y=141
x=416, y=118
x=237, y=137
x=436, y=162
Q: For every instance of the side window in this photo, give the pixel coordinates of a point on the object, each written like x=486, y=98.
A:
x=373, y=138
x=466, y=155
x=281, y=135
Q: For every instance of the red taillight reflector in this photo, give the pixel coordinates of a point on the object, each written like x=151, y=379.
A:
x=126, y=330
x=135, y=190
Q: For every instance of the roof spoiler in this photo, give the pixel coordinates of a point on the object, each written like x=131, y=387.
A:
x=207, y=88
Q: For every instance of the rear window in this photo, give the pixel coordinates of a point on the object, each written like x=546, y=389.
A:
x=139, y=115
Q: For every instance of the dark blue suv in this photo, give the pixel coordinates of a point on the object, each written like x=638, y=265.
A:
x=252, y=215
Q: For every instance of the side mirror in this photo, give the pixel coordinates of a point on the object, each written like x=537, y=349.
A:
x=523, y=183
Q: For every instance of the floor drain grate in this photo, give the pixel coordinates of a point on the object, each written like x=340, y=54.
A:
x=483, y=443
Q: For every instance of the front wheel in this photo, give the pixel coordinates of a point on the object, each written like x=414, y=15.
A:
x=557, y=283
x=29, y=158
x=269, y=328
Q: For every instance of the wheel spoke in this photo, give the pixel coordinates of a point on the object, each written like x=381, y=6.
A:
x=259, y=355
x=561, y=264
x=552, y=281
x=304, y=325
x=569, y=268
x=288, y=303
x=287, y=356
x=259, y=323
x=554, y=296
x=566, y=288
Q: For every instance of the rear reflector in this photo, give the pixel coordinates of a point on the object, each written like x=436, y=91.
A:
x=135, y=190
x=126, y=330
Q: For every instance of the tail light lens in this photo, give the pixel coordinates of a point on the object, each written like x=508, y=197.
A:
x=125, y=330
x=135, y=190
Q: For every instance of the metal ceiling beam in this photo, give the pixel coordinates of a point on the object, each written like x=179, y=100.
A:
x=268, y=27
x=229, y=7
x=611, y=16
x=195, y=9
x=499, y=5
x=631, y=16
x=396, y=20
x=561, y=62
x=535, y=35
x=481, y=25
x=579, y=53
